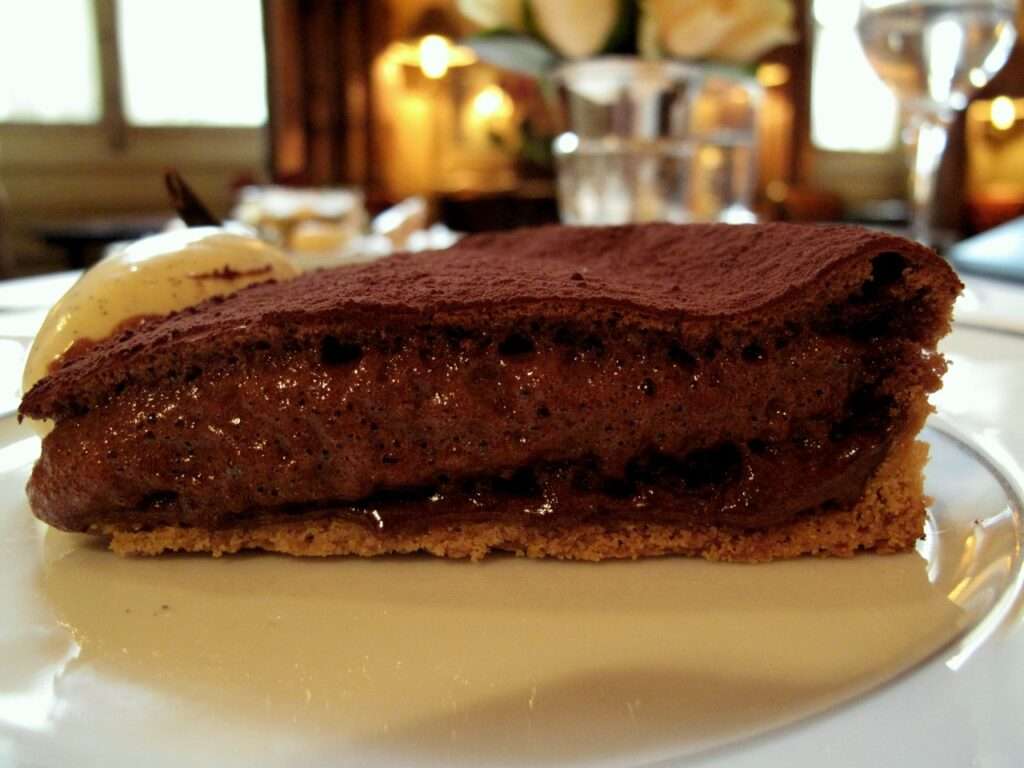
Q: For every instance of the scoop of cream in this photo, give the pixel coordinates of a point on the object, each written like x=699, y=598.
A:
x=153, y=276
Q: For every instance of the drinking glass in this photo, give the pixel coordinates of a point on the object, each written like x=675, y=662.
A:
x=626, y=156
x=934, y=54
x=655, y=141
x=723, y=129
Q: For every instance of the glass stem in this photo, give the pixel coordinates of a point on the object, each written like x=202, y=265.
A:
x=925, y=141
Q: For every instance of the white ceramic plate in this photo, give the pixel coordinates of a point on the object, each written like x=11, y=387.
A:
x=268, y=660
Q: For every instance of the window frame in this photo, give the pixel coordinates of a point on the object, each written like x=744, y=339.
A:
x=113, y=122
x=110, y=167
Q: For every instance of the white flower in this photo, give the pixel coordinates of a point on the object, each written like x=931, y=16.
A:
x=576, y=28
x=493, y=14
x=737, y=31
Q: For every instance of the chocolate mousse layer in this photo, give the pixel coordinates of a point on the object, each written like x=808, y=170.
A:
x=544, y=380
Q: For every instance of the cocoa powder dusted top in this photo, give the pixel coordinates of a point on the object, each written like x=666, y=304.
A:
x=657, y=273
x=699, y=270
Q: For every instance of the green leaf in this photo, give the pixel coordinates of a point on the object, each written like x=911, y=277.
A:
x=497, y=32
x=496, y=139
x=623, y=37
x=516, y=53
x=731, y=71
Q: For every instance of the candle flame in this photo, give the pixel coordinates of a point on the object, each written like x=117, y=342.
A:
x=1003, y=113
x=434, y=54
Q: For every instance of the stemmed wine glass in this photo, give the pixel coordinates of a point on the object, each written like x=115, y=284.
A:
x=934, y=54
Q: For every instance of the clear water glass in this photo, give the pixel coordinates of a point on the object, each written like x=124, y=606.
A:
x=615, y=180
x=934, y=54
x=654, y=141
x=723, y=131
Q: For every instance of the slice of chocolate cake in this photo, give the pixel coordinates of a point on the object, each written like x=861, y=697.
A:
x=735, y=392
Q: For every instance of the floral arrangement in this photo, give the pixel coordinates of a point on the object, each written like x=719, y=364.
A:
x=533, y=36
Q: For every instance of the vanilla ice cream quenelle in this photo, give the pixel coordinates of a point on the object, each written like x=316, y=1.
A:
x=154, y=276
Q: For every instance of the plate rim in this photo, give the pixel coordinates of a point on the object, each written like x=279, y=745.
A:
x=954, y=653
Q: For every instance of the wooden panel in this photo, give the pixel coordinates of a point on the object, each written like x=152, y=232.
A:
x=320, y=54
x=285, y=93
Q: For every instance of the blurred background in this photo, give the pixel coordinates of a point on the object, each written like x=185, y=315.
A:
x=378, y=101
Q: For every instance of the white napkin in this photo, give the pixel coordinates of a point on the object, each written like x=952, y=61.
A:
x=992, y=304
